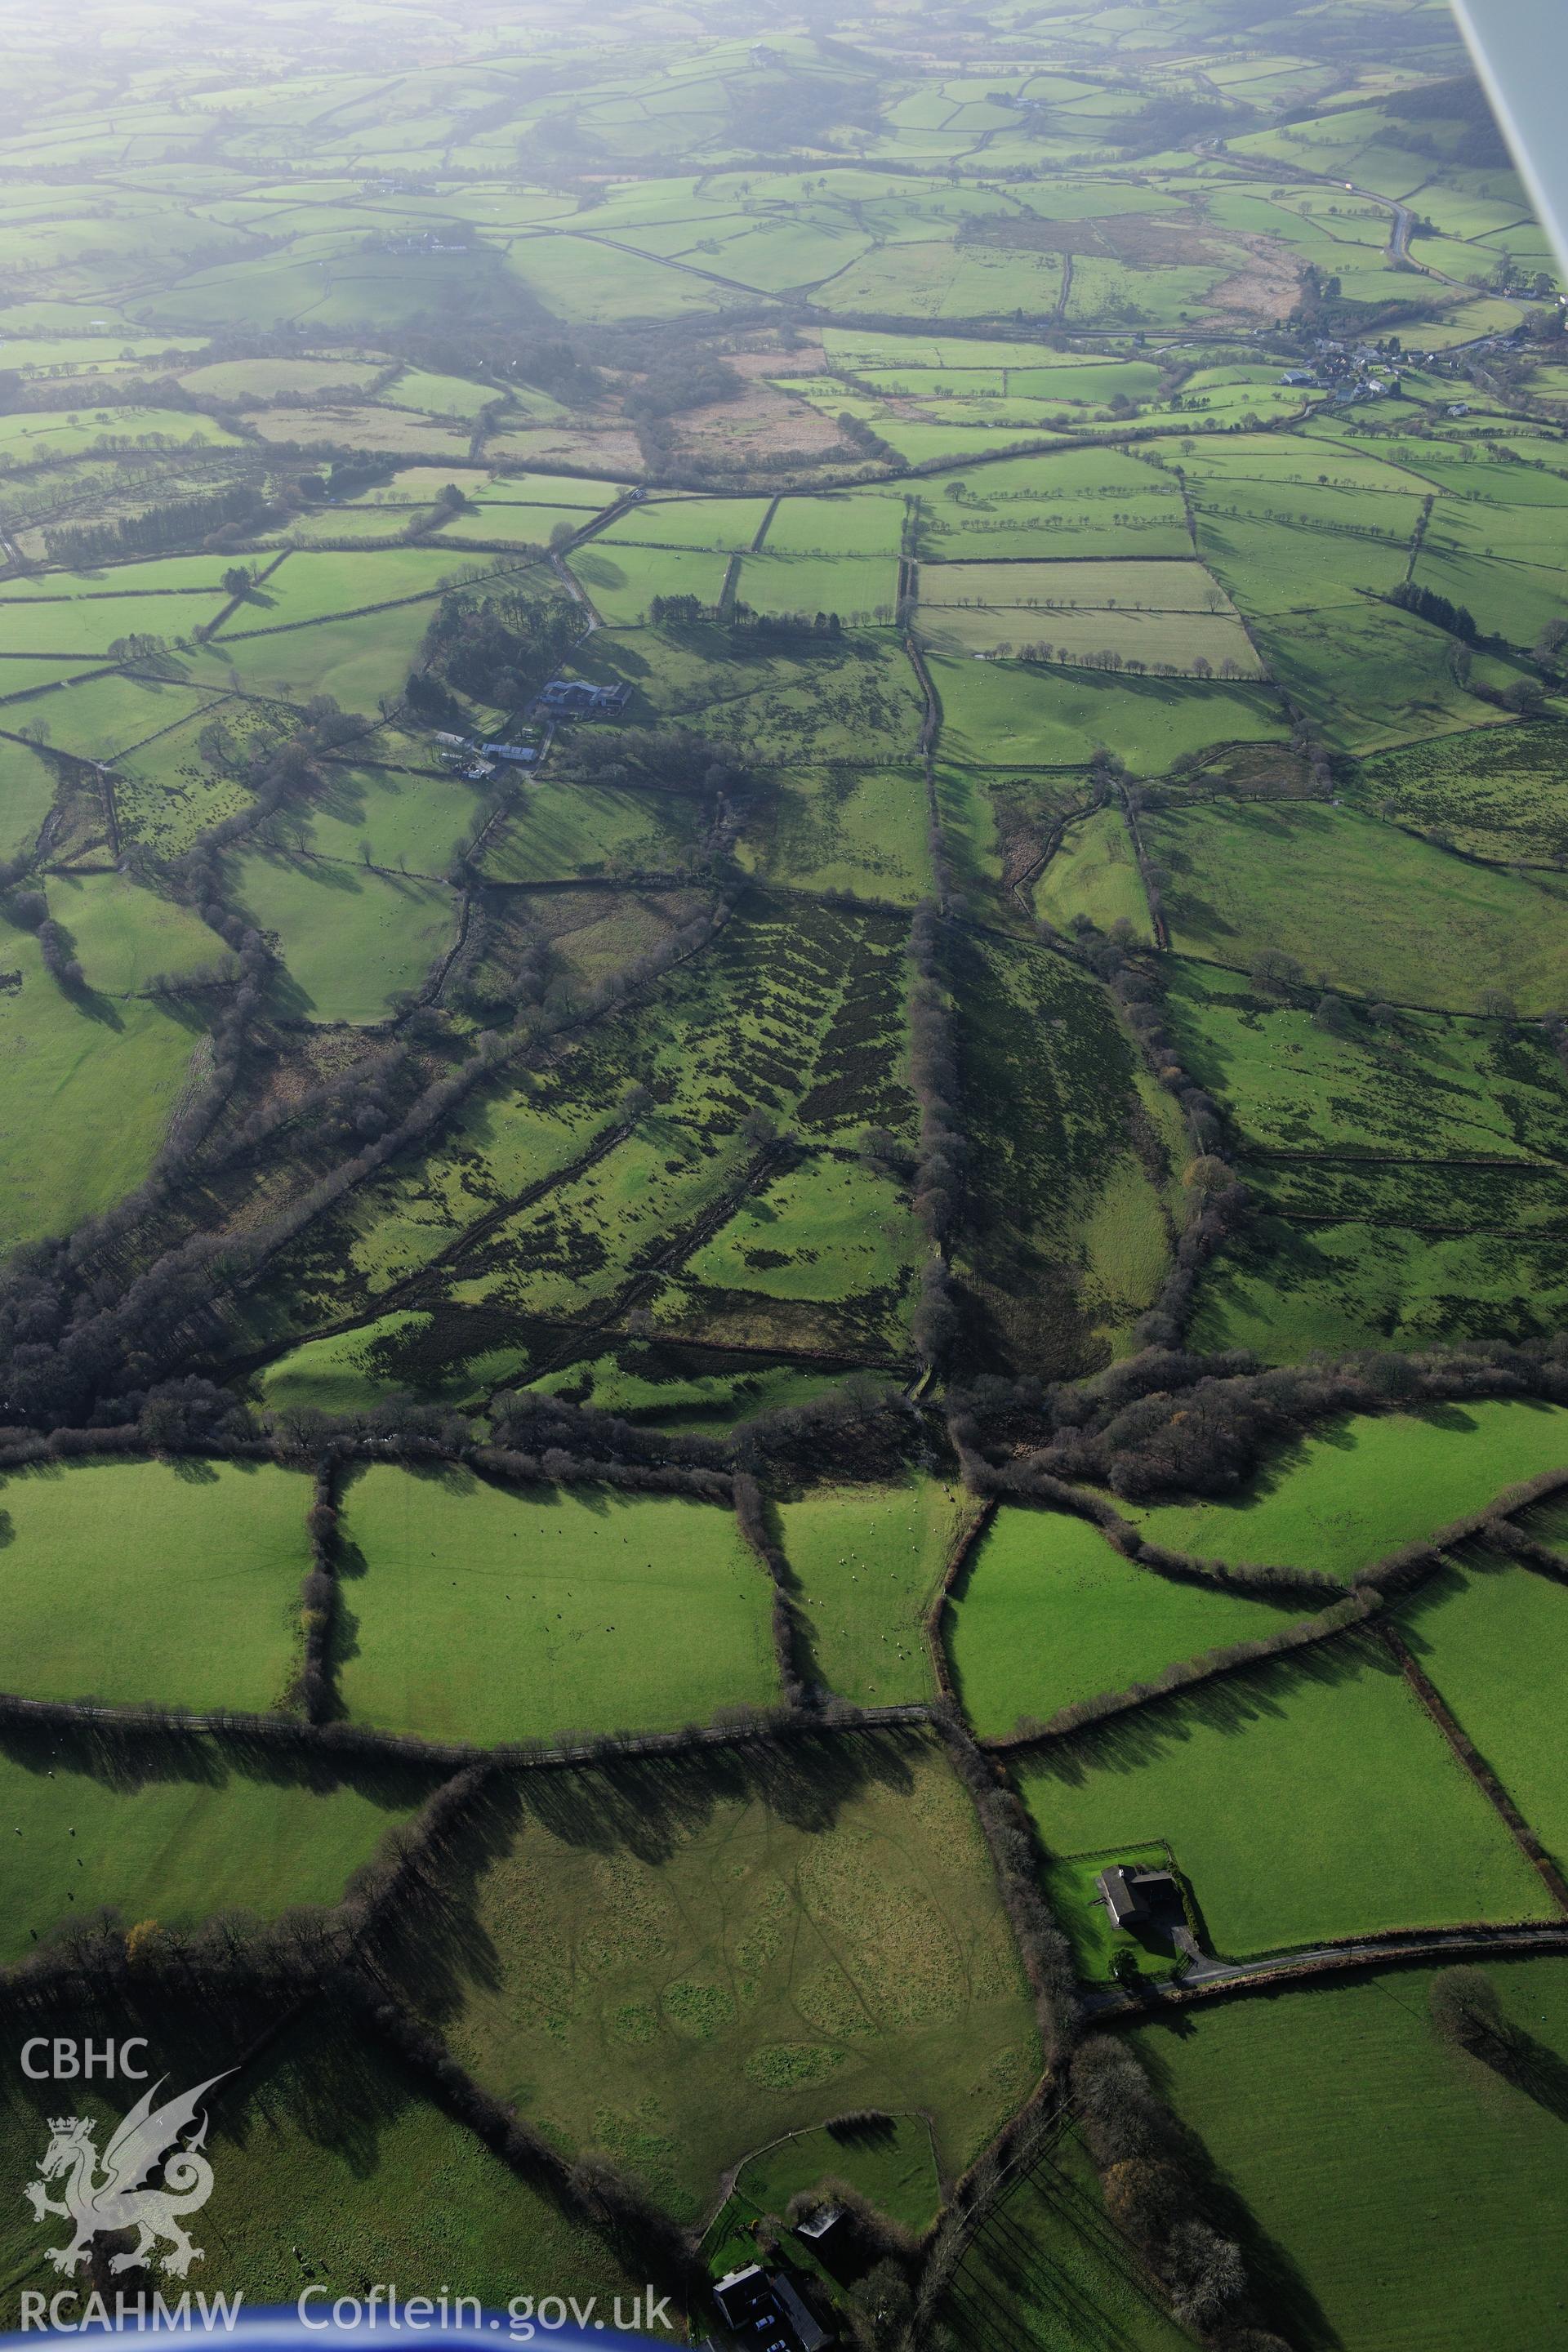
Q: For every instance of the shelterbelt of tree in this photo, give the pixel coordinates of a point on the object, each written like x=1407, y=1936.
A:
x=784, y=1163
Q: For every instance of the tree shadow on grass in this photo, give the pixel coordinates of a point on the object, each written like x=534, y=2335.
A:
x=1279, y=2285
x=1231, y=1703
x=1533, y=2067
x=128, y=1760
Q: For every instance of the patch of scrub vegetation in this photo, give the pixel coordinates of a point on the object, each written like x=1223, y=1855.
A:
x=105, y=1568
x=1305, y=1082
x=867, y=1561
x=1366, y=1487
x=484, y=1613
x=686, y=1960
x=1081, y=1152
x=797, y=1015
x=1258, y=1785
x=1496, y=792
x=1287, y=1290
x=1401, y=2191
x=670, y=1384
x=1048, y=1613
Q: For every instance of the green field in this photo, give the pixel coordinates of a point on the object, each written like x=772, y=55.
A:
x=1488, y=1635
x=845, y=827
x=1048, y=2271
x=354, y=939
x=622, y=581
x=1258, y=1785
x=867, y=1561
x=1048, y=1613
x=28, y=793
x=1400, y=2193
x=576, y=1609
x=123, y=937
x=1094, y=873
x=1360, y=906
x=686, y=1965
x=1003, y=714
x=107, y=1565
x=1043, y=960
x=1367, y=1486
x=88, y=1094
x=177, y=1836
x=894, y=2164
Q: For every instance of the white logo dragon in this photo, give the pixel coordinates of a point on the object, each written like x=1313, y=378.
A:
x=118, y=2201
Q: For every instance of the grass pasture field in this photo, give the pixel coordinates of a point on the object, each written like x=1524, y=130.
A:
x=25, y=802
x=1398, y=2189
x=1170, y=616
x=622, y=581
x=1046, y=1613
x=89, y=1090
x=579, y=1608
x=867, y=1561
x=1003, y=714
x=321, y=2147
x=107, y=1565
x=894, y=2166
x=843, y=826
x=762, y=1956
x=123, y=936
x=1257, y=1784
x=178, y=1837
x=1488, y=1633
x=1360, y=906
x=353, y=938
x=1048, y=2270
x=1095, y=873
x=1050, y=961
x=1368, y=1486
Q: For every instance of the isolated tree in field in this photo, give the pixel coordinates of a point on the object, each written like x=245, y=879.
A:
x=1466, y=2011
x=1274, y=972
